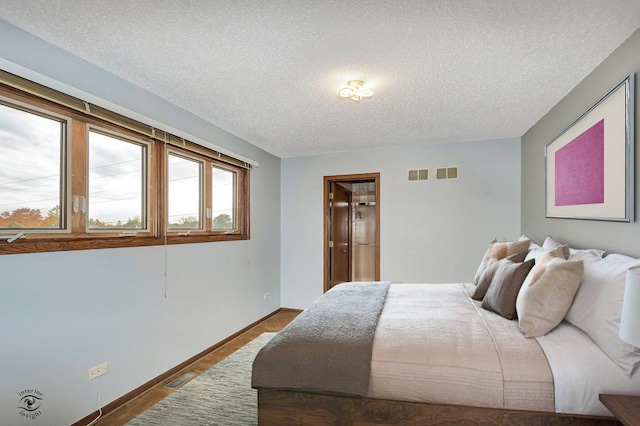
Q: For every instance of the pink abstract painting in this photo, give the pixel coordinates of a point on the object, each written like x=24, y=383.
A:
x=580, y=169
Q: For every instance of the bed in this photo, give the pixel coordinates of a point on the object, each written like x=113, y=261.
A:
x=384, y=353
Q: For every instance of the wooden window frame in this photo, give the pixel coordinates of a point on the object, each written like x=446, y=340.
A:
x=65, y=163
x=76, y=235
x=147, y=193
x=241, y=231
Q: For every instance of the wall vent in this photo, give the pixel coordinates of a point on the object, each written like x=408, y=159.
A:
x=447, y=173
x=418, y=174
x=179, y=381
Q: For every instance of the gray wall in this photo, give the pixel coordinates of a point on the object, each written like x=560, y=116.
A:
x=429, y=231
x=610, y=236
x=63, y=313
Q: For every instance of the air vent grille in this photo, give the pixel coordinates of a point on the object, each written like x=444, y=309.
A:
x=179, y=381
x=447, y=173
x=418, y=174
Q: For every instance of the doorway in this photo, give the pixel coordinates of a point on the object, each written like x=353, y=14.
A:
x=351, y=228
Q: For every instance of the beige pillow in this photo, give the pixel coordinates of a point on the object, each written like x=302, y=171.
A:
x=498, y=251
x=560, y=252
x=503, y=291
x=487, y=275
x=547, y=294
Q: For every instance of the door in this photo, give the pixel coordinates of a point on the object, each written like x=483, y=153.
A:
x=340, y=241
x=351, y=228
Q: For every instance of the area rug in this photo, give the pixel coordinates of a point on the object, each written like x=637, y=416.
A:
x=221, y=395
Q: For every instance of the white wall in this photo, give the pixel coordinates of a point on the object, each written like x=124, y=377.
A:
x=430, y=231
x=63, y=313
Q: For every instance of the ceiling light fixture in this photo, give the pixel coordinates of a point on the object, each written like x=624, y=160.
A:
x=354, y=90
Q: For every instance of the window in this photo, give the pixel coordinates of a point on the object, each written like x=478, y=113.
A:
x=117, y=182
x=76, y=176
x=185, y=192
x=202, y=187
x=32, y=176
x=223, y=199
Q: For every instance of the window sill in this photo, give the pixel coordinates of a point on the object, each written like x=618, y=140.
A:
x=41, y=245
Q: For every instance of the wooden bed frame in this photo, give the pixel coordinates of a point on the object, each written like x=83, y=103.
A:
x=279, y=407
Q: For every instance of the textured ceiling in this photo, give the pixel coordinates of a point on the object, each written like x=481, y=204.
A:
x=268, y=71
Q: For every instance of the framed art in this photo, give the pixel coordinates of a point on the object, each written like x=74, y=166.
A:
x=590, y=165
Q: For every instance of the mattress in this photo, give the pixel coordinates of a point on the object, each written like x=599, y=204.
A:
x=434, y=344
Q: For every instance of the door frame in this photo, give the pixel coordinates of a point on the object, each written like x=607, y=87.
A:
x=327, y=218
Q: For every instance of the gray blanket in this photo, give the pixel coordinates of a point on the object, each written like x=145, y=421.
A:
x=327, y=348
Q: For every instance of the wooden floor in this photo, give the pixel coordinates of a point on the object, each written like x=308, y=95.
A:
x=131, y=409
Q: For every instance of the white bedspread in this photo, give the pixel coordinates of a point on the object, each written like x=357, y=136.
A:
x=581, y=371
x=434, y=344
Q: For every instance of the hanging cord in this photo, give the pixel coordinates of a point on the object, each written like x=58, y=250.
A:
x=99, y=406
x=165, y=226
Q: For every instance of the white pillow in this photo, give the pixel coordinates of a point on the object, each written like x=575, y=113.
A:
x=598, y=303
x=533, y=245
x=537, y=252
x=574, y=254
x=547, y=293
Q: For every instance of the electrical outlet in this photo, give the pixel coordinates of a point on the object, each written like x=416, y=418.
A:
x=266, y=296
x=98, y=370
